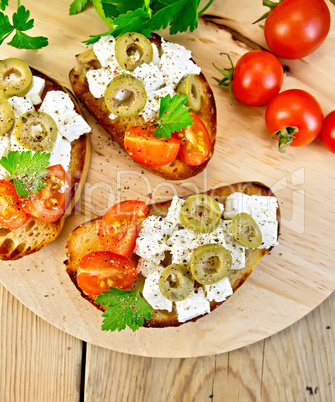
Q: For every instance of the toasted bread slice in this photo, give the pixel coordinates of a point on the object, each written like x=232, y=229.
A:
x=84, y=240
x=177, y=169
x=36, y=234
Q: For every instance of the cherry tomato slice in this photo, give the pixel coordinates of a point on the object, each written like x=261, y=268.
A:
x=120, y=226
x=100, y=270
x=50, y=203
x=195, y=147
x=144, y=148
x=12, y=215
x=327, y=135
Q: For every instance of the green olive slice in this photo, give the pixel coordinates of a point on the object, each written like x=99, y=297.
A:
x=210, y=263
x=6, y=116
x=132, y=49
x=200, y=213
x=15, y=77
x=246, y=231
x=176, y=282
x=36, y=131
x=125, y=96
x=190, y=86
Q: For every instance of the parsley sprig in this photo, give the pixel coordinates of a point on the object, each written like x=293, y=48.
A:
x=126, y=308
x=21, y=23
x=28, y=170
x=173, y=115
x=143, y=16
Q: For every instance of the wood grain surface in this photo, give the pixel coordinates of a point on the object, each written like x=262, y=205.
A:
x=40, y=363
x=288, y=284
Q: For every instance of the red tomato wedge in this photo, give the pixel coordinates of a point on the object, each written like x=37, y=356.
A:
x=195, y=147
x=144, y=148
x=12, y=216
x=50, y=203
x=100, y=270
x=120, y=226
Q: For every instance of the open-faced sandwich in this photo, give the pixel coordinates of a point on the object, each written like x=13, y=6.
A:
x=152, y=99
x=44, y=157
x=178, y=259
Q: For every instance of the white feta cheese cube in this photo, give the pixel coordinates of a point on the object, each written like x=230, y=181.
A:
x=61, y=153
x=35, y=92
x=98, y=80
x=196, y=304
x=152, y=293
x=263, y=208
x=146, y=267
x=236, y=203
x=152, y=241
x=174, y=210
x=20, y=106
x=150, y=76
x=219, y=291
x=269, y=231
x=60, y=107
x=104, y=49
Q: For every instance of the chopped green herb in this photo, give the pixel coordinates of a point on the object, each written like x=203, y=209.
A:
x=173, y=115
x=28, y=170
x=21, y=22
x=126, y=308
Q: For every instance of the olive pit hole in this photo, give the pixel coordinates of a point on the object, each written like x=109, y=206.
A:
x=211, y=265
x=125, y=97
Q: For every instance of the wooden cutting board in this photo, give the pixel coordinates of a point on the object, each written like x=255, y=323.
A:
x=291, y=281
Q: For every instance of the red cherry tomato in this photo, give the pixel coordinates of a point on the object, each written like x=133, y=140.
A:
x=100, y=270
x=258, y=77
x=50, y=203
x=195, y=147
x=327, y=135
x=120, y=226
x=296, y=28
x=12, y=216
x=148, y=150
x=294, y=108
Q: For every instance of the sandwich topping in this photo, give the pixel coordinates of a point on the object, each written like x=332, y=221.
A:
x=35, y=143
x=159, y=72
x=206, y=257
x=184, y=261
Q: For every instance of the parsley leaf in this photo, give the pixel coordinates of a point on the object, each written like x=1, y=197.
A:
x=179, y=14
x=27, y=170
x=77, y=6
x=125, y=308
x=146, y=16
x=132, y=21
x=173, y=115
x=5, y=27
x=21, y=22
x=3, y=4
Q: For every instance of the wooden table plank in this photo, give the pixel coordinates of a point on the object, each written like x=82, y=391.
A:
x=37, y=361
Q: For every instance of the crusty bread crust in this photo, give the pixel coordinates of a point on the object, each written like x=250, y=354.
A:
x=36, y=234
x=84, y=240
x=176, y=170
